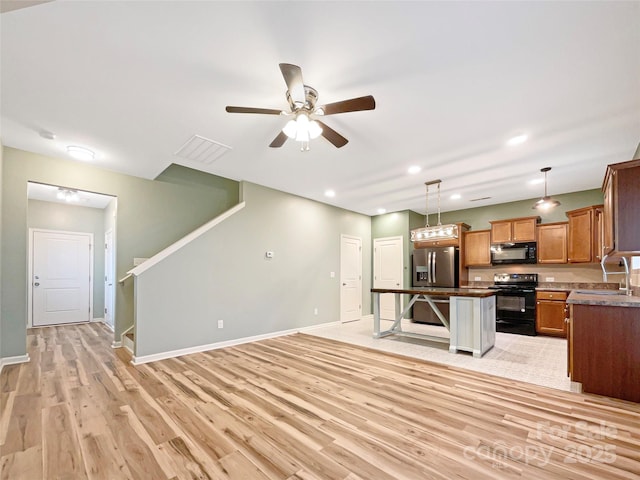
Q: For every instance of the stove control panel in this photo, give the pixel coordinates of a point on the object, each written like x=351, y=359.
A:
x=515, y=278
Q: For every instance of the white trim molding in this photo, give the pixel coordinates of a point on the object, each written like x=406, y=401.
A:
x=139, y=360
x=13, y=360
x=158, y=257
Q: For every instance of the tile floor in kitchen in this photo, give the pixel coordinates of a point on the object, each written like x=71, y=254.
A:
x=540, y=360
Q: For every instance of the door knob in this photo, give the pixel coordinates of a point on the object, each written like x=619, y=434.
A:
x=36, y=284
x=344, y=284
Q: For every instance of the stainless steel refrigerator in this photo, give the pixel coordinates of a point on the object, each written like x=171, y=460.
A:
x=434, y=267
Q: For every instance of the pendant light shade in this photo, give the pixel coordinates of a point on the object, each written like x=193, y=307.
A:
x=546, y=202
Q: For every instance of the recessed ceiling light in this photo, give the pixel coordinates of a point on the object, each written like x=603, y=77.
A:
x=329, y=193
x=414, y=169
x=536, y=181
x=455, y=196
x=517, y=140
x=382, y=210
x=80, y=153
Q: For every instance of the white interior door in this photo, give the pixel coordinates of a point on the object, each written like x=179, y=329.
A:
x=350, y=278
x=388, y=264
x=109, y=275
x=61, y=283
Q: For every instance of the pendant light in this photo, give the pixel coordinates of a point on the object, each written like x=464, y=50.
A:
x=546, y=202
x=437, y=232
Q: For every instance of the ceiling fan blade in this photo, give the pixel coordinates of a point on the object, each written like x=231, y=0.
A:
x=351, y=105
x=293, y=78
x=265, y=111
x=279, y=140
x=333, y=136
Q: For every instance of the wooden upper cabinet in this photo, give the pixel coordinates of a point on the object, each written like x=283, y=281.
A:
x=621, y=219
x=584, y=234
x=514, y=230
x=477, y=248
x=552, y=243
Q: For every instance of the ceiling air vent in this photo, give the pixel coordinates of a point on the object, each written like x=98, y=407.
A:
x=202, y=150
x=478, y=199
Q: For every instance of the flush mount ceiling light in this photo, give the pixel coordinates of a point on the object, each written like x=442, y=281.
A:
x=517, y=140
x=329, y=193
x=68, y=195
x=437, y=232
x=546, y=202
x=80, y=153
x=414, y=169
x=381, y=211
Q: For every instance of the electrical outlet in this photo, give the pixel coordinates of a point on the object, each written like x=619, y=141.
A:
x=477, y=279
x=220, y=323
x=549, y=279
x=332, y=274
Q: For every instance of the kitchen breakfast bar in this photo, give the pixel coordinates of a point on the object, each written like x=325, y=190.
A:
x=472, y=316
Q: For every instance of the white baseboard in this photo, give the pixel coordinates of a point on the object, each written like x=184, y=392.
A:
x=321, y=325
x=97, y=319
x=139, y=360
x=13, y=360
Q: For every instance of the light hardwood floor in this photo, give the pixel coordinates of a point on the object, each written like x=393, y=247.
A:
x=294, y=407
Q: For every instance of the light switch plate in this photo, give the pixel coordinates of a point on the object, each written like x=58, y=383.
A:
x=549, y=279
x=477, y=279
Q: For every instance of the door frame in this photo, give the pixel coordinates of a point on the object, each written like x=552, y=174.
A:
x=32, y=230
x=112, y=307
x=344, y=236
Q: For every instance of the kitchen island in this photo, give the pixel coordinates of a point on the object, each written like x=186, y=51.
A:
x=604, y=343
x=472, y=316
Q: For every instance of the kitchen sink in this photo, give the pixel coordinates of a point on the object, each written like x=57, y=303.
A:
x=598, y=292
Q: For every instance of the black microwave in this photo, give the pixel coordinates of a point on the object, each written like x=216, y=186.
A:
x=513, y=253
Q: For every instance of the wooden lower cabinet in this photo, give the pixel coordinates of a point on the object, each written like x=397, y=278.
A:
x=604, y=350
x=551, y=313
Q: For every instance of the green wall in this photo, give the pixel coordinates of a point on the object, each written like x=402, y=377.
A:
x=478, y=218
x=150, y=216
x=225, y=275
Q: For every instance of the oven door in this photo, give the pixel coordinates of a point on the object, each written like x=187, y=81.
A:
x=516, y=304
x=516, y=311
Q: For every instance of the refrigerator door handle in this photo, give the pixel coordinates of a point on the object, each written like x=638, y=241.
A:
x=429, y=267
x=433, y=265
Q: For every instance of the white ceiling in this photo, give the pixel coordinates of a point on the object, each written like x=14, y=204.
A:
x=452, y=80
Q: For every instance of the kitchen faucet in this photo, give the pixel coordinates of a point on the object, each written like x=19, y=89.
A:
x=627, y=278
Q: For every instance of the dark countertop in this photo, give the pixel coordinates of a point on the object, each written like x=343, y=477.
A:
x=439, y=291
x=592, y=297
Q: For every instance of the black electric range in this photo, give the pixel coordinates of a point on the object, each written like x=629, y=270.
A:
x=516, y=302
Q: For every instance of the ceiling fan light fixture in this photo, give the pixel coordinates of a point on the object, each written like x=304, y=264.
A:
x=290, y=129
x=315, y=130
x=546, y=202
x=302, y=129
